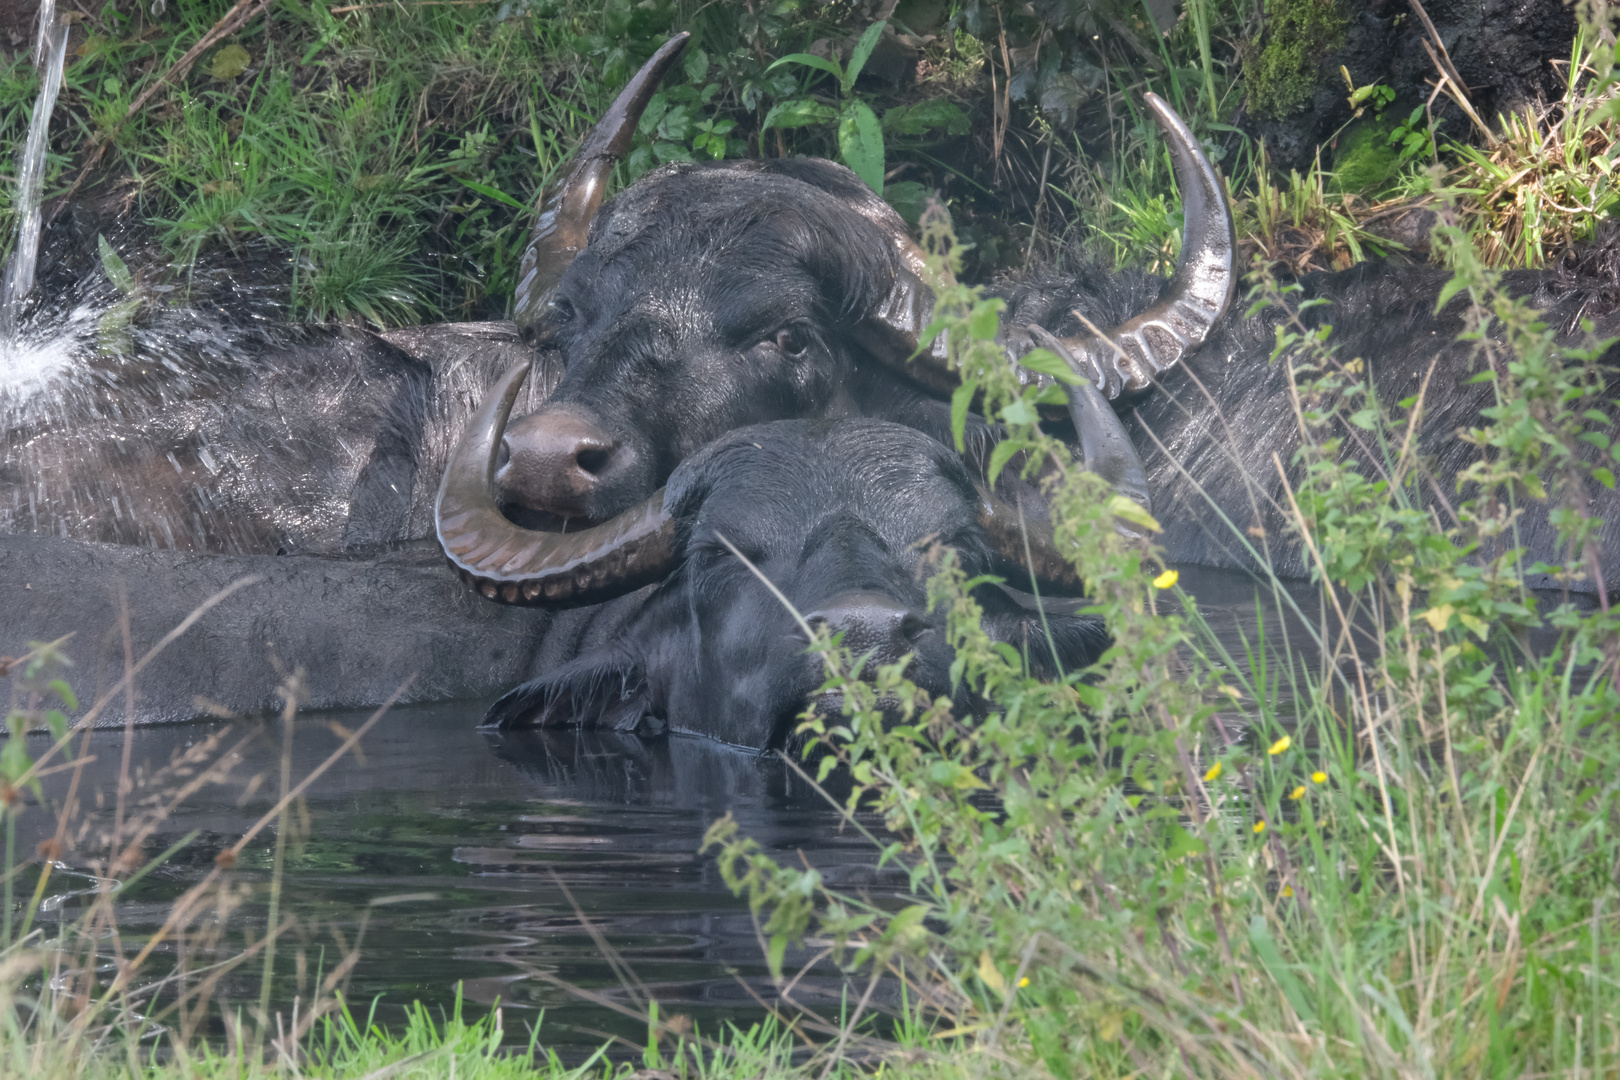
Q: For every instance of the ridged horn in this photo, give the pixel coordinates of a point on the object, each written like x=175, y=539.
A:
x=514, y=565
x=1137, y=350
x=567, y=207
x=1144, y=347
x=1006, y=532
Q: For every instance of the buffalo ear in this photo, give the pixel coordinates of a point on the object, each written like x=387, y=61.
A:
x=605, y=692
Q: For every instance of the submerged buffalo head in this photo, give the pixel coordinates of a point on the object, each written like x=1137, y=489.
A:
x=837, y=515
x=702, y=299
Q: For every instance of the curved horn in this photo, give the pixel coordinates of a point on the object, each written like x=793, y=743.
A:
x=1007, y=532
x=522, y=566
x=1142, y=348
x=1135, y=351
x=567, y=208
x=1106, y=447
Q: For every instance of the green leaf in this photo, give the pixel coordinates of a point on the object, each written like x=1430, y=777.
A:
x=65, y=692
x=1280, y=972
x=229, y=62
x=926, y=116
x=775, y=953
x=1448, y=290
x=492, y=193
x=811, y=60
x=1604, y=477
x=1019, y=413
x=697, y=65
x=1132, y=511
x=961, y=401
x=116, y=270
x=1050, y=363
x=985, y=320
x=908, y=198
x=800, y=112
x=860, y=143
x=14, y=760
x=863, y=51
x=1183, y=843
x=1003, y=453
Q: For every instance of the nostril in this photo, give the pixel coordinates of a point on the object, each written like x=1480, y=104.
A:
x=913, y=627
x=593, y=459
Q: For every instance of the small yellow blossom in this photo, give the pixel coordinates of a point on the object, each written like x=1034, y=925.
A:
x=1166, y=580
x=1259, y=827
x=1288, y=890
x=1297, y=793
x=1318, y=777
x=1213, y=773
x=1023, y=982
x=1280, y=745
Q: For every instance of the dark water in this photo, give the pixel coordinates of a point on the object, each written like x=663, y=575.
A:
x=458, y=850
x=452, y=860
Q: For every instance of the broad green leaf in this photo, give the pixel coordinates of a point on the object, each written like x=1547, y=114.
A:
x=985, y=320
x=697, y=65
x=1183, y=843
x=1476, y=625
x=800, y=112
x=1019, y=412
x=1132, y=511
x=229, y=62
x=926, y=116
x=811, y=60
x=909, y=199
x=1449, y=290
x=862, y=52
x=860, y=143
x=1050, y=363
x=1003, y=453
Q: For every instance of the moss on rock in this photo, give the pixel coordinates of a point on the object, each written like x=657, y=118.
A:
x=1280, y=65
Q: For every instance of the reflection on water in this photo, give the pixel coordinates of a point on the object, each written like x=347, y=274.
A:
x=453, y=849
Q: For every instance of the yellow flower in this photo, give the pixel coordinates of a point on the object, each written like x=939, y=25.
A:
x=1288, y=890
x=1213, y=774
x=1297, y=793
x=1259, y=827
x=1318, y=777
x=1166, y=579
x=1023, y=982
x=1280, y=745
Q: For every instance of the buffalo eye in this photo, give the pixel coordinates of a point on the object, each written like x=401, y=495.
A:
x=792, y=340
x=560, y=310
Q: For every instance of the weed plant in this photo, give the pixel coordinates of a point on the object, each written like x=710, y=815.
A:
x=1145, y=868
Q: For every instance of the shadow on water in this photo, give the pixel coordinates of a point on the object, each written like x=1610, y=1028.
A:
x=449, y=845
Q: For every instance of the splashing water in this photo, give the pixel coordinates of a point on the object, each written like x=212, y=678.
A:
x=52, y=49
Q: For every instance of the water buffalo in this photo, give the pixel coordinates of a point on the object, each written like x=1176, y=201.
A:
x=838, y=515
x=704, y=298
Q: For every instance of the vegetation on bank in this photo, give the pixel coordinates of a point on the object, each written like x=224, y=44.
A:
x=380, y=162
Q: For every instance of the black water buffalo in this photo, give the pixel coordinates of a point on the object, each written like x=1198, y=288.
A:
x=704, y=298
x=683, y=636
x=838, y=515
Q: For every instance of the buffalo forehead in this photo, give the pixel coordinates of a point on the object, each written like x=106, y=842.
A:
x=775, y=484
